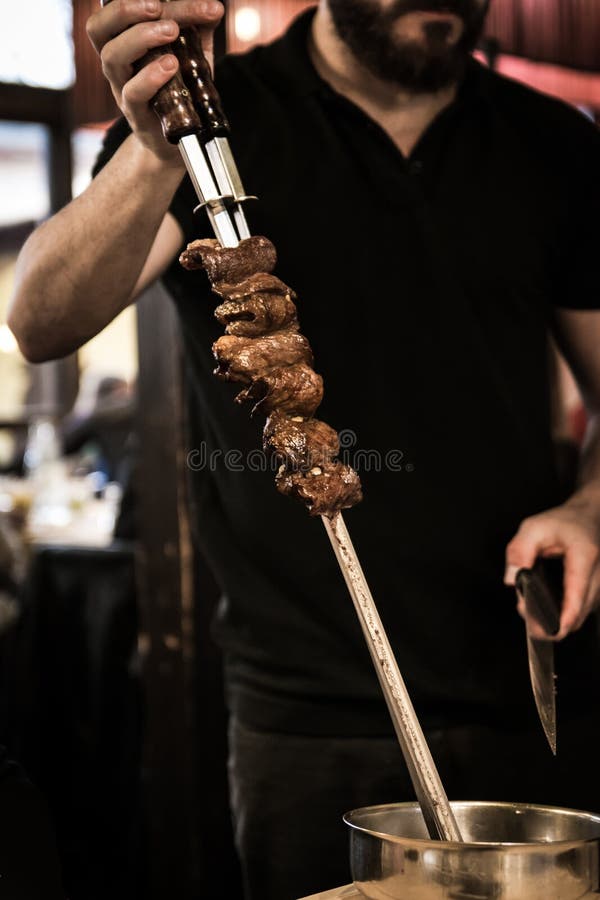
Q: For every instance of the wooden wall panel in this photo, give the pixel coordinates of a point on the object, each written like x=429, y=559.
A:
x=565, y=32
x=93, y=100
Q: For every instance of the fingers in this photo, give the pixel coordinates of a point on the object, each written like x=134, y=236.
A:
x=118, y=15
x=112, y=20
x=124, y=30
x=557, y=534
x=522, y=551
x=204, y=13
x=592, y=599
x=139, y=90
x=580, y=560
x=119, y=54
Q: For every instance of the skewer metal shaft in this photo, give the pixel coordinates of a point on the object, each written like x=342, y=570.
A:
x=215, y=177
x=437, y=812
x=183, y=121
x=228, y=179
x=208, y=191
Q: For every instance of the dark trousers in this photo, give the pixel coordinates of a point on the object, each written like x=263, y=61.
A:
x=289, y=792
x=29, y=866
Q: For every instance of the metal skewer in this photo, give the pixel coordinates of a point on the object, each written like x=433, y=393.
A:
x=207, y=191
x=437, y=812
x=436, y=809
x=191, y=115
x=229, y=181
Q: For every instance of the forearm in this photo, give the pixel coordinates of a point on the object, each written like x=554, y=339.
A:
x=78, y=270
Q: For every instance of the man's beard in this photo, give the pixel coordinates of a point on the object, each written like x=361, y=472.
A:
x=420, y=67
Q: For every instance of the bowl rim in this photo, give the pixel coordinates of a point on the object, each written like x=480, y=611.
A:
x=429, y=843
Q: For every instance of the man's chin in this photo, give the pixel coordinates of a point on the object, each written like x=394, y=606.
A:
x=419, y=51
x=418, y=69
x=443, y=27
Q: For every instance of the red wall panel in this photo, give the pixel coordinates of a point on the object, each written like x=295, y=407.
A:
x=566, y=32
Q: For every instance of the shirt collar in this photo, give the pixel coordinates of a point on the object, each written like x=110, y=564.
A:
x=293, y=55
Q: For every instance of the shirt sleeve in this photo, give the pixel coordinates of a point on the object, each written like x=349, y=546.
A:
x=578, y=283
x=114, y=137
x=183, y=203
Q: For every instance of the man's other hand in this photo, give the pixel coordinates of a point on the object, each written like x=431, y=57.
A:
x=123, y=31
x=573, y=532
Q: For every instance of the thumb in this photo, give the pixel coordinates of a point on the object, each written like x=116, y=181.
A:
x=580, y=560
x=522, y=551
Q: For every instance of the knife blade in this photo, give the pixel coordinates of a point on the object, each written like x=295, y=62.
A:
x=541, y=588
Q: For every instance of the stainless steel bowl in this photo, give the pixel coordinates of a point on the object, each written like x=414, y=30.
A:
x=511, y=851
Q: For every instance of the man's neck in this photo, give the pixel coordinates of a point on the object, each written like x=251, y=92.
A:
x=404, y=115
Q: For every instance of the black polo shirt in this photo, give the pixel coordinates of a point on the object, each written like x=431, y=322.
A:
x=426, y=288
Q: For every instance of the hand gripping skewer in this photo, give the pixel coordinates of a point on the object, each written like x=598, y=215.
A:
x=191, y=115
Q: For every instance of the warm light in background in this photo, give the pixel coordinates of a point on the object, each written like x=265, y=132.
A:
x=247, y=24
x=8, y=343
x=36, y=43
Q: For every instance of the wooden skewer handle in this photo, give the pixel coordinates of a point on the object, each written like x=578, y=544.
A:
x=173, y=104
x=197, y=76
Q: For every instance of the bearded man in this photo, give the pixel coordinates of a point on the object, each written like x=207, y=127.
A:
x=437, y=222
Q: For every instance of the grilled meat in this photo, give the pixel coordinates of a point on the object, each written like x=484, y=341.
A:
x=324, y=489
x=298, y=442
x=256, y=306
x=264, y=350
x=293, y=389
x=244, y=359
x=230, y=264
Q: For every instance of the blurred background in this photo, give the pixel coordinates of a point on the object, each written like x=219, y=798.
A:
x=110, y=690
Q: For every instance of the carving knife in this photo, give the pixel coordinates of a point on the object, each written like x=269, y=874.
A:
x=541, y=589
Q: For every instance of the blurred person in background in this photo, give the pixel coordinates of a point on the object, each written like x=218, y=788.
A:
x=103, y=428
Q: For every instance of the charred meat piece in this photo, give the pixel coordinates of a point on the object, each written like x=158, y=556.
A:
x=256, y=306
x=298, y=442
x=230, y=264
x=324, y=489
x=244, y=359
x=295, y=389
x=263, y=350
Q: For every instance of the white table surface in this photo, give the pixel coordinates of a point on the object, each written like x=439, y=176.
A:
x=348, y=892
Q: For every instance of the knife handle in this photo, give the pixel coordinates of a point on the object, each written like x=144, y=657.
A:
x=173, y=103
x=542, y=589
x=198, y=80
